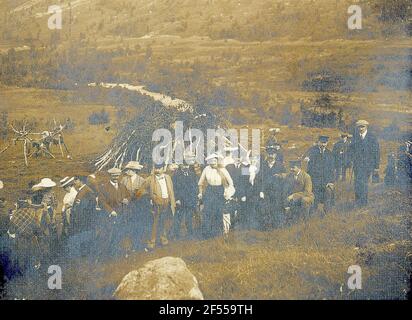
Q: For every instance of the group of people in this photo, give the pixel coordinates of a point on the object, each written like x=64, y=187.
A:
x=119, y=211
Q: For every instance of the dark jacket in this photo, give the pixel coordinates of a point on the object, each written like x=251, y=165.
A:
x=84, y=210
x=365, y=153
x=321, y=166
x=111, y=198
x=236, y=175
x=251, y=192
x=270, y=184
x=341, y=153
x=185, y=187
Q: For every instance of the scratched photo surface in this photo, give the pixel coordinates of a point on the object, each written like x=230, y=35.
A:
x=205, y=149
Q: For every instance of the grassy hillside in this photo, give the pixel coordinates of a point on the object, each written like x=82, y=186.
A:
x=300, y=262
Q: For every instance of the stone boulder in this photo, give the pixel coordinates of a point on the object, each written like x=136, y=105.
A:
x=167, y=278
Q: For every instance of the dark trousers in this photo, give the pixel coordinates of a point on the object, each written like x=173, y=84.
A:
x=323, y=195
x=361, y=187
x=161, y=223
x=183, y=219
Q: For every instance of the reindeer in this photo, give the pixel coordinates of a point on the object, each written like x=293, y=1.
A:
x=41, y=142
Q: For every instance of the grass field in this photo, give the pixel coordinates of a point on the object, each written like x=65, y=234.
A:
x=300, y=262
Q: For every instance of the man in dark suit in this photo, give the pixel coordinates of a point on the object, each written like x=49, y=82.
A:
x=365, y=154
x=185, y=184
x=321, y=170
x=114, y=199
x=272, y=188
x=82, y=221
x=341, y=153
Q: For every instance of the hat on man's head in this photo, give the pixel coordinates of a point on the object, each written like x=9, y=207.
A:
x=173, y=166
x=158, y=165
x=276, y=130
x=44, y=183
x=295, y=163
x=134, y=165
x=362, y=123
x=323, y=139
x=114, y=172
x=213, y=156
x=66, y=181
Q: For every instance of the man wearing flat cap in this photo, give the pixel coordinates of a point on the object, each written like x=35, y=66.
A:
x=271, y=188
x=321, y=168
x=185, y=185
x=114, y=198
x=159, y=186
x=365, y=155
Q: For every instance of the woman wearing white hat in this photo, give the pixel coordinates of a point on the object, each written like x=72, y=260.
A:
x=44, y=188
x=212, y=184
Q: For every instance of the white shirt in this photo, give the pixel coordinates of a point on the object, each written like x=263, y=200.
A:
x=212, y=177
x=163, y=186
x=114, y=184
x=271, y=163
x=363, y=135
x=69, y=198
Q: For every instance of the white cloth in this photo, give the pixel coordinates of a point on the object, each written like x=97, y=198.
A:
x=115, y=184
x=226, y=223
x=271, y=163
x=163, y=186
x=69, y=198
x=363, y=135
x=212, y=177
x=252, y=174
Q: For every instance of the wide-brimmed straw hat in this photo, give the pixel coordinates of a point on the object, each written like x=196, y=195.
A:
x=44, y=184
x=134, y=165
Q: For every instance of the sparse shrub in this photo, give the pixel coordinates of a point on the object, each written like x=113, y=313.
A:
x=101, y=117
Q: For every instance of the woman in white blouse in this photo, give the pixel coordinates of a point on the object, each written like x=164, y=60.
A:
x=212, y=184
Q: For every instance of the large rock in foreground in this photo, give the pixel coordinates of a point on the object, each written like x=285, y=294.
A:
x=162, y=279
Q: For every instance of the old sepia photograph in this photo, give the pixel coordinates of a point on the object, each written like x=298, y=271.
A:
x=220, y=150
